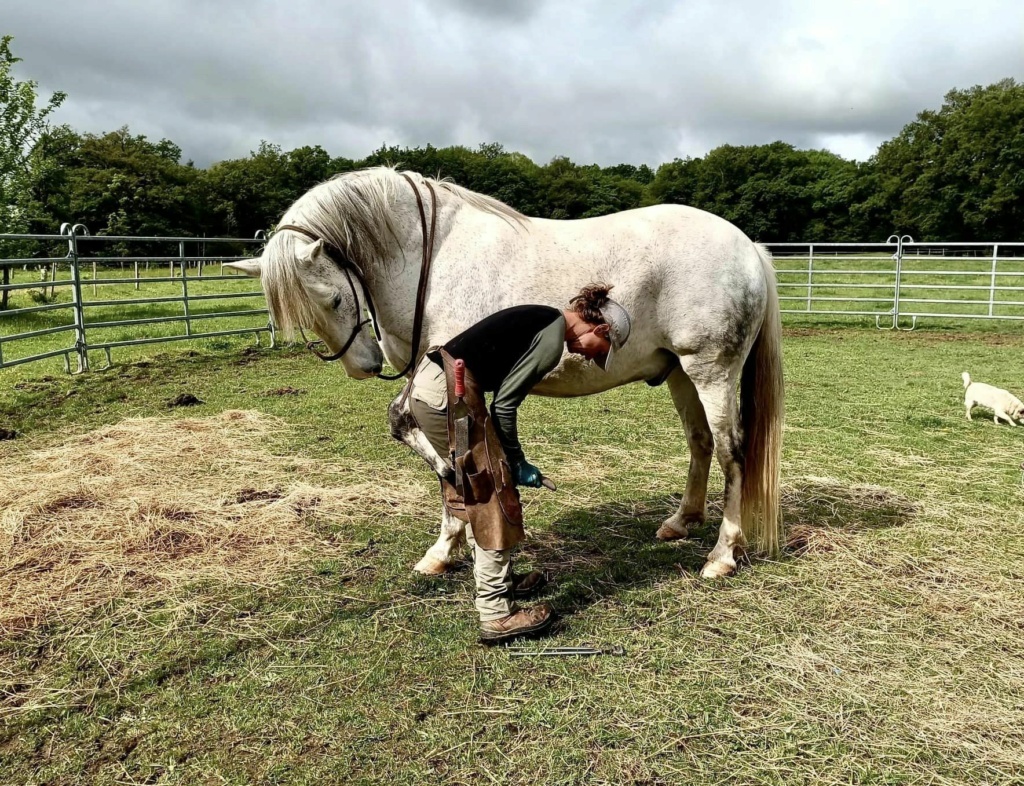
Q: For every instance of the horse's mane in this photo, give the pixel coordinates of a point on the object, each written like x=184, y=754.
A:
x=353, y=212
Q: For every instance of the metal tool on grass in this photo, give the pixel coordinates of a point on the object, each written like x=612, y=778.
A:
x=564, y=652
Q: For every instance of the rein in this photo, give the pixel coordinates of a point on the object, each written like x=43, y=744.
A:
x=344, y=263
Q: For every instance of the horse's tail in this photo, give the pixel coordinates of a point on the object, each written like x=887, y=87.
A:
x=761, y=413
x=967, y=379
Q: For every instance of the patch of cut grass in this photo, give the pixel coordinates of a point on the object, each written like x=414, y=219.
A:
x=883, y=648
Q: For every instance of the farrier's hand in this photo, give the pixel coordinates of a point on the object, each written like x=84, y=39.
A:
x=527, y=475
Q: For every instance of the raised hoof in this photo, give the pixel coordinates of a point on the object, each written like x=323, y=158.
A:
x=716, y=570
x=429, y=566
x=668, y=532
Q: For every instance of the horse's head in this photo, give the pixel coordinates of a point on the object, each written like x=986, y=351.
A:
x=307, y=289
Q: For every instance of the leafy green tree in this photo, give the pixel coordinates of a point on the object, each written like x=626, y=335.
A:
x=247, y=194
x=957, y=173
x=772, y=192
x=124, y=184
x=642, y=174
x=572, y=191
x=51, y=161
x=21, y=125
x=240, y=196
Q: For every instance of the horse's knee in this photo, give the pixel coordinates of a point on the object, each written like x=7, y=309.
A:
x=400, y=420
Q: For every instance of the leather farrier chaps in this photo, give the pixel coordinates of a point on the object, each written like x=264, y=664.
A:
x=488, y=499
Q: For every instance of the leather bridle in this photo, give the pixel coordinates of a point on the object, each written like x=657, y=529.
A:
x=351, y=269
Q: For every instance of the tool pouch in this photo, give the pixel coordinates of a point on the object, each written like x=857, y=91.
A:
x=491, y=499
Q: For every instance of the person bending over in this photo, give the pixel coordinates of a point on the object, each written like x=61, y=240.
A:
x=507, y=354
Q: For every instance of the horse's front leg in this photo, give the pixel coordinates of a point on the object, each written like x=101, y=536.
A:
x=439, y=557
x=406, y=430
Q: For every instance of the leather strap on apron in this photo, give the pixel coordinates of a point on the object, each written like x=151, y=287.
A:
x=489, y=493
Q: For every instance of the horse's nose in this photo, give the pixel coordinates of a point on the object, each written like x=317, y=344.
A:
x=375, y=369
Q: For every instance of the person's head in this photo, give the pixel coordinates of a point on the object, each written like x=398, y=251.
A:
x=601, y=325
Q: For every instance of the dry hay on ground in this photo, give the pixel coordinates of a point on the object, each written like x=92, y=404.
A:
x=148, y=505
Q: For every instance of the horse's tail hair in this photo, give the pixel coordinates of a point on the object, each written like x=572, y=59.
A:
x=761, y=413
x=967, y=380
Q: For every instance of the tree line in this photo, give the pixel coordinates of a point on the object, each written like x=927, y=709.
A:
x=952, y=174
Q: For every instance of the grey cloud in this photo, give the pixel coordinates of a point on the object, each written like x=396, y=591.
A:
x=518, y=11
x=641, y=82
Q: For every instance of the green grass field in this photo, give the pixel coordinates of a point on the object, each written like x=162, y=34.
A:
x=884, y=647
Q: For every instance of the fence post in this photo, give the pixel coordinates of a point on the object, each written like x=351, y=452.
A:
x=136, y=275
x=184, y=286
x=898, y=258
x=992, y=284
x=899, y=276
x=81, y=347
x=810, y=276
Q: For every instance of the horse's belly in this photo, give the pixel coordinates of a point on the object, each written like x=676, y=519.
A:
x=575, y=377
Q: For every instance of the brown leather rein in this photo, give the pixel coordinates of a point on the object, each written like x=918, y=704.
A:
x=351, y=269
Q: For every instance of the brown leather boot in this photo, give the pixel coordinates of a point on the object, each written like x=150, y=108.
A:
x=522, y=622
x=526, y=584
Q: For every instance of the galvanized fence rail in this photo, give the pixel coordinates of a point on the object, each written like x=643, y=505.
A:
x=66, y=320
x=901, y=281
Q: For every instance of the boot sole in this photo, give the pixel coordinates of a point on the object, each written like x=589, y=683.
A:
x=490, y=639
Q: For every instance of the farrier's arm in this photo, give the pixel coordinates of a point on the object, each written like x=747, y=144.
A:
x=542, y=356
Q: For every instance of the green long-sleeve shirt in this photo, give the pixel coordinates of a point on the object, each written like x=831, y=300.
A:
x=508, y=353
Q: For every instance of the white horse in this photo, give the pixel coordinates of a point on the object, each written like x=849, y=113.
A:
x=702, y=297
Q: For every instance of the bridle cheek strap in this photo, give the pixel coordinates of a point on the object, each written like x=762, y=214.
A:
x=312, y=345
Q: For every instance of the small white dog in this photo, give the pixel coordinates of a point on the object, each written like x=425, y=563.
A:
x=1003, y=404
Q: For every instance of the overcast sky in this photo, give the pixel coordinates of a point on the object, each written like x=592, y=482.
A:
x=609, y=81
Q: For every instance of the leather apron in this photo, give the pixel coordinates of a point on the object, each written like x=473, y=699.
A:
x=488, y=490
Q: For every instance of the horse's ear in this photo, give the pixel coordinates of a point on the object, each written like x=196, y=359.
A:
x=309, y=252
x=251, y=267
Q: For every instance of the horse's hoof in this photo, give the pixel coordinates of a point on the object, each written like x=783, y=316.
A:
x=429, y=566
x=671, y=532
x=713, y=569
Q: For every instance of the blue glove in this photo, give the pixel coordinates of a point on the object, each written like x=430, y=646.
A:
x=527, y=475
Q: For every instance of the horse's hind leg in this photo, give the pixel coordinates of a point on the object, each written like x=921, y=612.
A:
x=716, y=387
x=702, y=446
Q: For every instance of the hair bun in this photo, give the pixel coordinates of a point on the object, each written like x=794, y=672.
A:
x=589, y=302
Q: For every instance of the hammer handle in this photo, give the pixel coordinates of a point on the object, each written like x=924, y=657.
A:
x=460, y=378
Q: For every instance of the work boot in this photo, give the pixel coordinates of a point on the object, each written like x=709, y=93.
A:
x=526, y=584
x=522, y=622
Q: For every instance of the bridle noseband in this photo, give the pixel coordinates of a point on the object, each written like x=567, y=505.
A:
x=351, y=269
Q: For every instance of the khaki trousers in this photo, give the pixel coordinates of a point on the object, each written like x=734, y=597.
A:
x=492, y=570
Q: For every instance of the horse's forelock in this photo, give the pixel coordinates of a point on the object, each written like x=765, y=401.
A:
x=288, y=300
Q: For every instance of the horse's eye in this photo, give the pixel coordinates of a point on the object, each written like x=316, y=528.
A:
x=336, y=302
